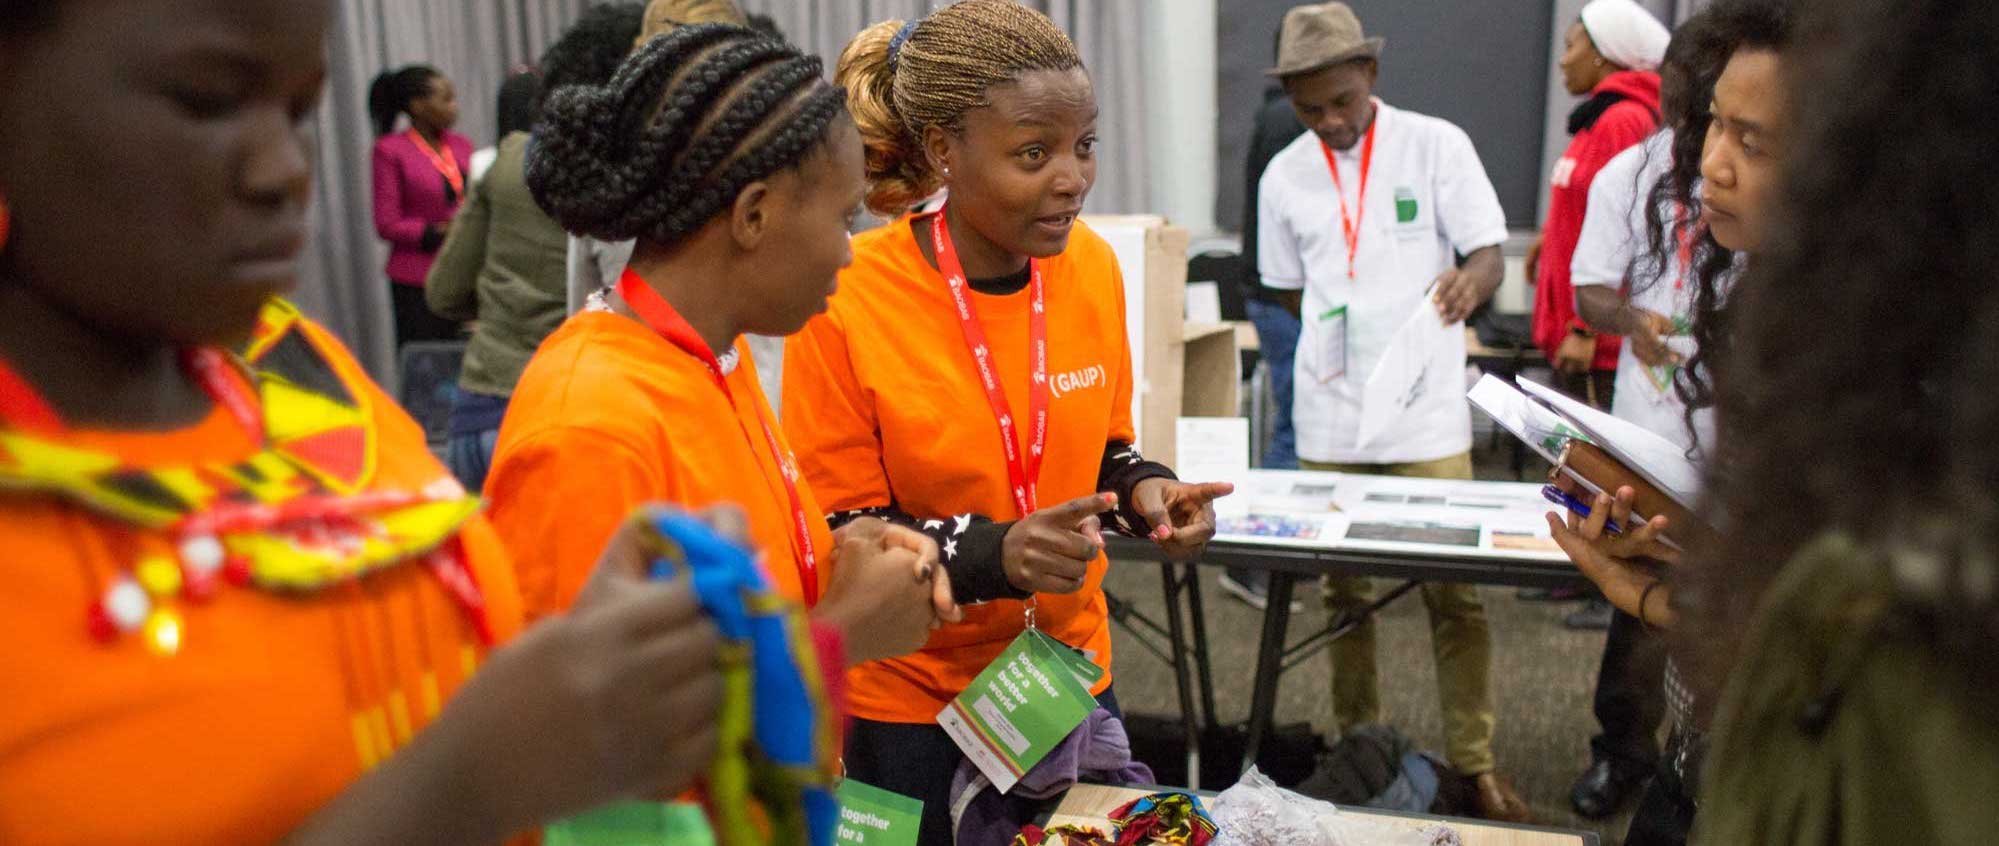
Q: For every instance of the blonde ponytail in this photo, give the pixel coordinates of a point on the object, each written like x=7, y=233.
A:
x=898, y=171
x=942, y=69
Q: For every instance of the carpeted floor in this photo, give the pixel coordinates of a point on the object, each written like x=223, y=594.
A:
x=1543, y=676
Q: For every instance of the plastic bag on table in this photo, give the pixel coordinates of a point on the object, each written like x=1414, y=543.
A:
x=1257, y=812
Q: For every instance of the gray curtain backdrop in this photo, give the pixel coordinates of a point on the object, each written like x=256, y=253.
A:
x=477, y=42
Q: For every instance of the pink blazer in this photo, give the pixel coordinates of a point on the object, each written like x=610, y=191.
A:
x=410, y=195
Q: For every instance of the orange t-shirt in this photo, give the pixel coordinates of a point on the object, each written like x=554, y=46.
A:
x=274, y=703
x=609, y=416
x=885, y=404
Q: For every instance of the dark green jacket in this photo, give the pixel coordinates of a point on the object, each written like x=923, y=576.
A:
x=1843, y=724
x=502, y=265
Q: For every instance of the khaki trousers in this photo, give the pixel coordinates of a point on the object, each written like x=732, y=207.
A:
x=1460, y=641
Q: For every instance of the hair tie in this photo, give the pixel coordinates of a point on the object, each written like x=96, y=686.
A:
x=895, y=44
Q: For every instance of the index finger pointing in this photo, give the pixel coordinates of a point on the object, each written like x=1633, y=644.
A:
x=1075, y=510
x=1211, y=491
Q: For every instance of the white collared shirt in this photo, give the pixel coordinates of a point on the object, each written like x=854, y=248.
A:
x=1614, y=235
x=1428, y=198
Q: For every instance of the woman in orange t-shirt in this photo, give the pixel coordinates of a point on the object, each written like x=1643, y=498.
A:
x=978, y=372
x=243, y=601
x=739, y=195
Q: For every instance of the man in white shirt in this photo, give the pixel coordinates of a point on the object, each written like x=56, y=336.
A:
x=1364, y=217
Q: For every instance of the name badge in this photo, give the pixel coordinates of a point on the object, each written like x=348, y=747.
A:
x=1023, y=704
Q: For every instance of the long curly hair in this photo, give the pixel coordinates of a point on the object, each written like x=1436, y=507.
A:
x=688, y=121
x=1860, y=395
x=904, y=77
x=1702, y=46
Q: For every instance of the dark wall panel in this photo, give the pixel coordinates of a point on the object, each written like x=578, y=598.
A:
x=1481, y=64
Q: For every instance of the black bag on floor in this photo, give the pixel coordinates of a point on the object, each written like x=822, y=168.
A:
x=1376, y=766
x=1287, y=756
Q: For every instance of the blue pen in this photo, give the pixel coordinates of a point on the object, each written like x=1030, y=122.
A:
x=1566, y=500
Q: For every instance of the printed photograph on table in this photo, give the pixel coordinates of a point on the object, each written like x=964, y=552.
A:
x=1415, y=531
x=1523, y=542
x=1272, y=526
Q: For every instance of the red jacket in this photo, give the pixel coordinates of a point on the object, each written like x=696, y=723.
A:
x=1621, y=111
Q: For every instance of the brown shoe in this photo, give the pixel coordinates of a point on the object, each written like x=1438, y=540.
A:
x=1498, y=801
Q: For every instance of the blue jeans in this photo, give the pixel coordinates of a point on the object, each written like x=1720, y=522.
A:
x=1277, y=334
x=475, y=430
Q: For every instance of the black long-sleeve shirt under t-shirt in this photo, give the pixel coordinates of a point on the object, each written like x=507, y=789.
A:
x=970, y=544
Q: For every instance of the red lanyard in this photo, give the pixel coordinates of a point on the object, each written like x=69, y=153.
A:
x=1683, y=233
x=443, y=161
x=1350, y=221
x=24, y=408
x=1023, y=472
x=661, y=317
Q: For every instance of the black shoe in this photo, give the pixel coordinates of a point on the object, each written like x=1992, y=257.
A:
x=1602, y=789
x=1252, y=587
x=1593, y=616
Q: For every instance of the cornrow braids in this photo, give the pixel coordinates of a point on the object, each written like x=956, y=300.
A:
x=899, y=85
x=686, y=123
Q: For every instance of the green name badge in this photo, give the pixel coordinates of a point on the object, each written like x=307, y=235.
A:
x=1021, y=706
x=634, y=824
x=1405, y=205
x=871, y=816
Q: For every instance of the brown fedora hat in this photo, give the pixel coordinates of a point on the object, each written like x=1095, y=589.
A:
x=1321, y=35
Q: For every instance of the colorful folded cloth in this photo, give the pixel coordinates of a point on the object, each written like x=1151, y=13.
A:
x=1061, y=835
x=1165, y=819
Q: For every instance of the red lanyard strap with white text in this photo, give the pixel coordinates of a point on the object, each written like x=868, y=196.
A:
x=660, y=315
x=442, y=159
x=1023, y=471
x=1683, y=234
x=22, y=407
x=1350, y=221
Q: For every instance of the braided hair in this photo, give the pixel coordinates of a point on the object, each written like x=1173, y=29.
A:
x=394, y=91
x=689, y=120
x=903, y=77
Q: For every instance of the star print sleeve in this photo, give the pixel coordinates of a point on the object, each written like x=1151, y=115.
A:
x=1121, y=471
x=969, y=545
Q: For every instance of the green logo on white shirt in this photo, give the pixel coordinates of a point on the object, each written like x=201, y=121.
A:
x=1405, y=205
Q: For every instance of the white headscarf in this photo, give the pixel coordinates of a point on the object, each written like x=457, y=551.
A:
x=1626, y=34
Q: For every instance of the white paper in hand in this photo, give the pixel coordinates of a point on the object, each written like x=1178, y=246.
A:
x=1533, y=423
x=1657, y=460
x=1418, y=360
